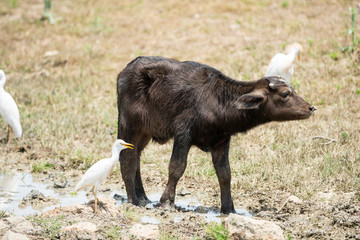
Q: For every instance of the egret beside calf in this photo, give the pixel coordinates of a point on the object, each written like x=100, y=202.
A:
x=283, y=64
x=98, y=172
x=9, y=110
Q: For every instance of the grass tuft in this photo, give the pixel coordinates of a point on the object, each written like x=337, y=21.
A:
x=217, y=232
x=51, y=226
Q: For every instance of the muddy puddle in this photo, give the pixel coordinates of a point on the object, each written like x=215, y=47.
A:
x=22, y=194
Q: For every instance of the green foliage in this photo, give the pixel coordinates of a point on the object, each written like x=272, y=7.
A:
x=217, y=232
x=295, y=83
x=329, y=166
x=322, y=102
x=129, y=212
x=334, y=55
x=289, y=237
x=73, y=194
x=51, y=226
x=165, y=236
x=113, y=233
x=38, y=168
x=345, y=135
x=96, y=24
x=310, y=42
x=3, y=214
x=285, y=4
x=81, y=158
x=354, y=41
x=358, y=92
x=13, y=3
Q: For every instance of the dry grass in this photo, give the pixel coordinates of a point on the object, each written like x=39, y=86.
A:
x=68, y=101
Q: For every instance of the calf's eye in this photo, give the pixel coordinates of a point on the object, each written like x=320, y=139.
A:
x=285, y=94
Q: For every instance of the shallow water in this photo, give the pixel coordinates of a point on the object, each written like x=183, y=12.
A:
x=15, y=186
x=183, y=204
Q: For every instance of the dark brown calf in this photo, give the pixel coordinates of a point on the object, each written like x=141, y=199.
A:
x=160, y=99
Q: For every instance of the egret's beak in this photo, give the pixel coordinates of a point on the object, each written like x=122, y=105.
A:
x=128, y=145
x=299, y=57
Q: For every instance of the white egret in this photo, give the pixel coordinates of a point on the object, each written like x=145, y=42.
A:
x=283, y=64
x=9, y=110
x=98, y=172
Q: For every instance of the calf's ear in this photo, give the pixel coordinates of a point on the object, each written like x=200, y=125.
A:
x=249, y=101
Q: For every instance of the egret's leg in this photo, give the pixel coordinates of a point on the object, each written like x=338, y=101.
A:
x=96, y=199
x=9, y=136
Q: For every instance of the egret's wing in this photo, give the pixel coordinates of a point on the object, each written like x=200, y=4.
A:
x=10, y=113
x=275, y=67
x=95, y=174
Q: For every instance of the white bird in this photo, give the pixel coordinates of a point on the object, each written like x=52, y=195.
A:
x=98, y=172
x=283, y=64
x=9, y=110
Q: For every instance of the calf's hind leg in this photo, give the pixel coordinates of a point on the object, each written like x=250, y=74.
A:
x=139, y=188
x=128, y=168
x=177, y=168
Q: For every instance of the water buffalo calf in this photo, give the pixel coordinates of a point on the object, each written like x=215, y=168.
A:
x=161, y=98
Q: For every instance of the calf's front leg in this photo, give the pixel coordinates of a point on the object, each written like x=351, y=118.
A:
x=220, y=159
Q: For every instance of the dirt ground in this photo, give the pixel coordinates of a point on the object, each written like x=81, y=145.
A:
x=304, y=175
x=326, y=215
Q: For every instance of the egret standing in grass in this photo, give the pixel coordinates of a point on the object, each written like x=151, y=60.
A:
x=283, y=64
x=9, y=110
x=98, y=172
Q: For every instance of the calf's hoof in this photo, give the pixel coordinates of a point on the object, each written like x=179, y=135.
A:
x=143, y=199
x=167, y=204
x=227, y=211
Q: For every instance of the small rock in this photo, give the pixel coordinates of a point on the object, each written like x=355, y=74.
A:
x=51, y=53
x=241, y=227
x=26, y=227
x=105, y=206
x=34, y=194
x=14, y=220
x=314, y=232
x=202, y=209
x=322, y=196
x=9, y=235
x=295, y=200
x=141, y=231
x=118, y=197
x=79, y=231
x=60, y=184
x=3, y=228
x=184, y=192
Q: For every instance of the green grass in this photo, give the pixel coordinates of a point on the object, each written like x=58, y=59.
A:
x=285, y=4
x=13, y=3
x=113, y=233
x=3, y=214
x=217, y=232
x=38, y=168
x=165, y=236
x=51, y=226
x=355, y=41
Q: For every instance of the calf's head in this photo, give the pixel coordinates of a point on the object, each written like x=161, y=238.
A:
x=276, y=101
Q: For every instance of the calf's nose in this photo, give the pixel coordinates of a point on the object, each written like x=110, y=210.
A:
x=312, y=108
